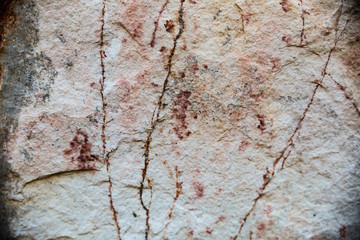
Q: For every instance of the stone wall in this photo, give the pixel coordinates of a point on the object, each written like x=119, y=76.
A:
x=180, y=119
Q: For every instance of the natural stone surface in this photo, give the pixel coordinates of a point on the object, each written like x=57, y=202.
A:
x=180, y=119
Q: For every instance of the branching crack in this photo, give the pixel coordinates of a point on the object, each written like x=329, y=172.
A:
x=242, y=17
x=302, y=42
x=128, y=32
x=178, y=192
x=154, y=118
x=285, y=153
x=347, y=95
x=106, y=154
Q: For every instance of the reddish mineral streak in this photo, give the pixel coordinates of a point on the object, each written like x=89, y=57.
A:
x=268, y=176
x=106, y=154
x=303, y=12
x=156, y=24
x=154, y=118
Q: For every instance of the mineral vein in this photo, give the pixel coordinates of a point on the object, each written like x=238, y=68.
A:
x=155, y=117
x=106, y=155
x=268, y=176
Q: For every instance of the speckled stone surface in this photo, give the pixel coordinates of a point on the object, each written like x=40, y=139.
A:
x=175, y=119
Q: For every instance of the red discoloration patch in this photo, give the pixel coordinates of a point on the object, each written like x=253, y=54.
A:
x=190, y=233
x=169, y=26
x=261, y=231
x=262, y=124
x=250, y=235
x=131, y=16
x=199, y=189
x=163, y=49
x=246, y=11
x=179, y=112
x=268, y=210
x=287, y=40
x=285, y=5
x=326, y=31
x=80, y=151
x=244, y=144
x=235, y=116
x=136, y=27
x=209, y=230
x=155, y=85
x=181, y=74
x=222, y=218
x=255, y=69
x=265, y=223
x=194, y=68
x=261, y=226
x=342, y=231
x=184, y=46
x=275, y=63
x=125, y=90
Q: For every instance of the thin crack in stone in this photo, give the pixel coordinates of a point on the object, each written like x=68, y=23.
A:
x=242, y=17
x=302, y=32
x=268, y=176
x=347, y=95
x=303, y=12
x=156, y=24
x=106, y=155
x=154, y=118
x=178, y=192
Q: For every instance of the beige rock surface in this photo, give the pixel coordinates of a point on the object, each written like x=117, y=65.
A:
x=172, y=119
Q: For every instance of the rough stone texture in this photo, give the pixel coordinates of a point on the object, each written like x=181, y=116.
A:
x=180, y=119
